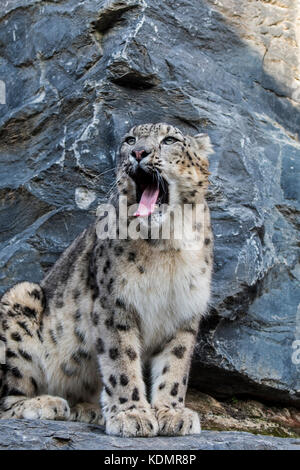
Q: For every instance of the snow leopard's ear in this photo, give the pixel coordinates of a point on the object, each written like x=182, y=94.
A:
x=204, y=144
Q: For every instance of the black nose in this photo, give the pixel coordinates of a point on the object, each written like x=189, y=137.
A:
x=139, y=154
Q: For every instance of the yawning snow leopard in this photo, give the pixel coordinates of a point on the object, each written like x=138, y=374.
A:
x=112, y=307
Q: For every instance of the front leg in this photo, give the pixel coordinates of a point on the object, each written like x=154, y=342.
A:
x=170, y=371
x=126, y=409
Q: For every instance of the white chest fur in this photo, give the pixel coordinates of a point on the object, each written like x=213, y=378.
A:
x=170, y=291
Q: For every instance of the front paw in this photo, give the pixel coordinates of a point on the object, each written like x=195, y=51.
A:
x=177, y=421
x=139, y=422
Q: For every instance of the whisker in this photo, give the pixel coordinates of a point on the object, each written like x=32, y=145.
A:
x=106, y=171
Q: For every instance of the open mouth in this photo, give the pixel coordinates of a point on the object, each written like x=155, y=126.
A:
x=151, y=191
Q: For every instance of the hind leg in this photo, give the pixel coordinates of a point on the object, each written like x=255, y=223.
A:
x=24, y=387
x=23, y=381
x=42, y=407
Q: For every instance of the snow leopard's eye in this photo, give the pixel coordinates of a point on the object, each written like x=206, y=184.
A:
x=169, y=140
x=130, y=140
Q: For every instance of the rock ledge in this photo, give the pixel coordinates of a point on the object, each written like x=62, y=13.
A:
x=52, y=435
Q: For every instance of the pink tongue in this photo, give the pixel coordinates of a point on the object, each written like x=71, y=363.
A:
x=147, y=202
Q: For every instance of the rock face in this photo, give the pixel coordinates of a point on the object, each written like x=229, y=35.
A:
x=55, y=435
x=79, y=74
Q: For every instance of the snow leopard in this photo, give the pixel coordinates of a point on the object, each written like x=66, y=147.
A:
x=108, y=335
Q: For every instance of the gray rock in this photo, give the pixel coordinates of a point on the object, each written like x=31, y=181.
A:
x=51, y=435
x=78, y=74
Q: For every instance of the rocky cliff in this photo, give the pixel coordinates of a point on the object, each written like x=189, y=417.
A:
x=79, y=73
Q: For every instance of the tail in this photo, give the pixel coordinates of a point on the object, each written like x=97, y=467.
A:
x=26, y=300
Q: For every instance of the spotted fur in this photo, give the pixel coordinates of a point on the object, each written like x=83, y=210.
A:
x=116, y=306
